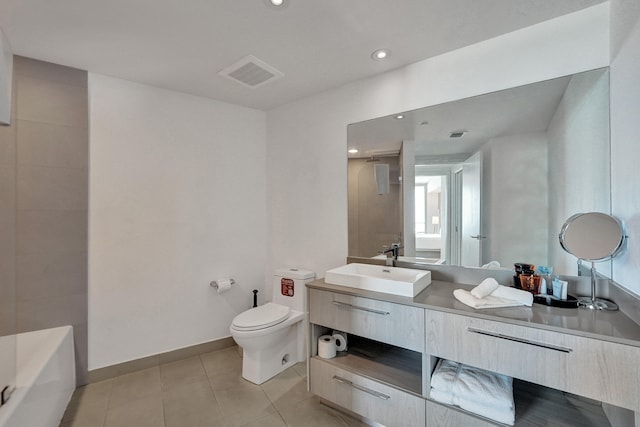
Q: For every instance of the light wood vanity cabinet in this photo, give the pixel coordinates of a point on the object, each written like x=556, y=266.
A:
x=386, y=384
x=605, y=371
x=530, y=354
x=370, y=398
x=439, y=415
x=395, y=324
x=600, y=370
x=389, y=382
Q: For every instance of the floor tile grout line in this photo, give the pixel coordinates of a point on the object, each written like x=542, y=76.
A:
x=106, y=412
x=278, y=412
x=200, y=361
x=213, y=392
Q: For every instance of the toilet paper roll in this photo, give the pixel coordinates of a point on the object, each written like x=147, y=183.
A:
x=327, y=347
x=341, y=340
x=223, y=285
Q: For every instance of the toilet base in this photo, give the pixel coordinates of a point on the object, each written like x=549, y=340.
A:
x=261, y=365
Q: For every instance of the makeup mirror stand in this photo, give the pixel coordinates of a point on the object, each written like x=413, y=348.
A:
x=593, y=237
x=594, y=303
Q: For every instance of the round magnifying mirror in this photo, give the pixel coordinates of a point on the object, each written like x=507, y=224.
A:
x=593, y=237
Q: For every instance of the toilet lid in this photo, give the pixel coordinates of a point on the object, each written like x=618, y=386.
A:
x=261, y=317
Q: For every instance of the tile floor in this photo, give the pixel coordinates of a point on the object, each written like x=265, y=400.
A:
x=205, y=390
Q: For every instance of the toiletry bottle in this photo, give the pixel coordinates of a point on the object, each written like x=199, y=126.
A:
x=547, y=274
x=557, y=288
x=522, y=269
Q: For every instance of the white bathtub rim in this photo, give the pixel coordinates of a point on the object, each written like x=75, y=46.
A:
x=9, y=410
x=26, y=373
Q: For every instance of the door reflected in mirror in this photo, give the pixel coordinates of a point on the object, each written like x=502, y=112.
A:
x=430, y=203
x=484, y=179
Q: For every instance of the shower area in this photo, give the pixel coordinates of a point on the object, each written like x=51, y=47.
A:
x=375, y=205
x=43, y=217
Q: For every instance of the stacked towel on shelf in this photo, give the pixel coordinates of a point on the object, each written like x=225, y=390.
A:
x=490, y=294
x=475, y=390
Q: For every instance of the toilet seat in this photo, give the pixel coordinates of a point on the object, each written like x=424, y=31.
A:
x=261, y=317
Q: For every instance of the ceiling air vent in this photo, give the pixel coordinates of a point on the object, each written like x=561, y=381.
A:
x=457, y=134
x=251, y=72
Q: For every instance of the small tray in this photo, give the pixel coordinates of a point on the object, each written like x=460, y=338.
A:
x=550, y=300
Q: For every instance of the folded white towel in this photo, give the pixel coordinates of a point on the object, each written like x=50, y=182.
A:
x=489, y=301
x=506, y=292
x=503, y=414
x=489, y=388
x=442, y=396
x=486, y=287
x=476, y=390
x=445, y=375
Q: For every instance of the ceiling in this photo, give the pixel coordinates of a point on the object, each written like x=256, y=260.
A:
x=518, y=110
x=317, y=44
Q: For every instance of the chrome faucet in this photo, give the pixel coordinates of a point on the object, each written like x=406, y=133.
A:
x=392, y=254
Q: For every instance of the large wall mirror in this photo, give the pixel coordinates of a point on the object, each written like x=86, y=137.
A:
x=483, y=180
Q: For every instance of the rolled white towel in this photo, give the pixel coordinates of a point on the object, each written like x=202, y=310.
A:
x=492, y=264
x=508, y=293
x=486, y=287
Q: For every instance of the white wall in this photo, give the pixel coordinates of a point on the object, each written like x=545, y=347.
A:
x=306, y=159
x=177, y=199
x=581, y=119
x=625, y=135
x=515, y=204
x=177, y=183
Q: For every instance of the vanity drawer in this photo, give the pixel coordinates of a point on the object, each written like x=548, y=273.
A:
x=530, y=354
x=371, y=399
x=396, y=324
x=605, y=371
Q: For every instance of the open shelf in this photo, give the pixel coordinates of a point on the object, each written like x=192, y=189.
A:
x=536, y=405
x=388, y=364
x=539, y=405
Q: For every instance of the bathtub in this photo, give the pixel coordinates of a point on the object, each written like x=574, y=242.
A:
x=45, y=379
x=428, y=242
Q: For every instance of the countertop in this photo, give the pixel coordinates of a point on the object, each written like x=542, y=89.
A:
x=612, y=326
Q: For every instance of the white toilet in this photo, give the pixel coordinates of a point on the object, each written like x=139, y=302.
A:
x=272, y=335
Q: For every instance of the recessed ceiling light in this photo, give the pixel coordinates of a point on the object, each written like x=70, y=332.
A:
x=425, y=123
x=399, y=116
x=457, y=134
x=353, y=150
x=277, y=4
x=381, y=54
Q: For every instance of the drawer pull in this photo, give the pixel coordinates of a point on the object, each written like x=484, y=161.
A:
x=361, y=388
x=357, y=307
x=520, y=340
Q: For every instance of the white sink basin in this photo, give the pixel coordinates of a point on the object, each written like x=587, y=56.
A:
x=407, y=282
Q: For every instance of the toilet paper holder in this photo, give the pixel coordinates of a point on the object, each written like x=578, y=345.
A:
x=214, y=284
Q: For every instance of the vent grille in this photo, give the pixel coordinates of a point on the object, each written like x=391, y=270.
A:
x=251, y=72
x=457, y=134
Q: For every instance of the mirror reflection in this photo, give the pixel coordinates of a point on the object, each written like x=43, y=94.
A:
x=486, y=180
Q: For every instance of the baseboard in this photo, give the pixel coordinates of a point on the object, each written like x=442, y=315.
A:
x=107, y=372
